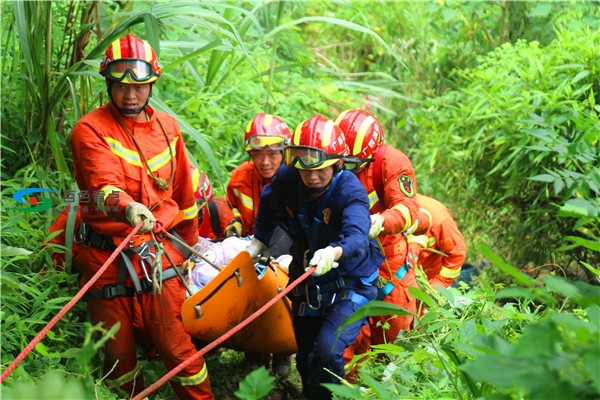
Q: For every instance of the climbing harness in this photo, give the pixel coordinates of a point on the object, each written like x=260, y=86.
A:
x=150, y=263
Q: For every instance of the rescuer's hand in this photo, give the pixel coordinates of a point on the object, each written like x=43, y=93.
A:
x=377, y=221
x=137, y=212
x=324, y=260
x=255, y=248
x=234, y=228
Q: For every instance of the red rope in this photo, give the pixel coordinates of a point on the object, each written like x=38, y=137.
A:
x=223, y=338
x=67, y=307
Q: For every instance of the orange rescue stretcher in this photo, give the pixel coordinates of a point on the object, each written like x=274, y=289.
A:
x=235, y=294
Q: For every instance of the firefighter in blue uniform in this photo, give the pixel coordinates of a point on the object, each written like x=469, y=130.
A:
x=325, y=210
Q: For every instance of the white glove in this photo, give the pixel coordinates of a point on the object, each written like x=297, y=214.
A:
x=136, y=213
x=255, y=248
x=377, y=221
x=324, y=260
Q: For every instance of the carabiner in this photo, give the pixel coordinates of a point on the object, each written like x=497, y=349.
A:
x=148, y=257
x=319, y=297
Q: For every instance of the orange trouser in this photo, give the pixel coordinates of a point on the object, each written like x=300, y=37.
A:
x=374, y=333
x=162, y=322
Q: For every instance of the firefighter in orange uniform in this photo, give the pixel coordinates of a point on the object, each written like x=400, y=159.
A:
x=442, y=250
x=130, y=158
x=389, y=178
x=214, y=213
x=264, y=139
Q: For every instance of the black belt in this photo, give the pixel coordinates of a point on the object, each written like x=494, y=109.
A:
x=326, y=287
x=87, y=236
x=112, y=291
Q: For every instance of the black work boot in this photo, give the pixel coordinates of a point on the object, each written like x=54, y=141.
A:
x=281, y=365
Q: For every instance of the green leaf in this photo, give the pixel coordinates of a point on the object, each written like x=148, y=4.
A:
x=543, y=178
x=590, y=365
x=42, y=349
x=10, y=251
x=378, y=388
x=421, y=295
x=590, y=244
x=372, y=309
x=510, y=372
x=581, y=293
x=538, y=339
x=580, y=76
x=525, y=293
x=520, y=277
x=256, y=385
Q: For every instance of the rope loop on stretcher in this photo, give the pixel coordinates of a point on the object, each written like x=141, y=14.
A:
x=68, y=306
x=215, y=343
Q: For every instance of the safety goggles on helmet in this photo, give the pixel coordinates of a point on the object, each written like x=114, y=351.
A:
x=138, y=70
x=356, y=164
x=259, y=142
x=303, y=157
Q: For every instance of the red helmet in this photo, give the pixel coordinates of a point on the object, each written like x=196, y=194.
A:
x=130, y=60
x=203, y=191
x=364, y=133
x=266, y=131
x=316, y=143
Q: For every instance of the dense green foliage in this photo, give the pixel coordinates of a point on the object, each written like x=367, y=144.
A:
x=496, y=103
x=519, y=137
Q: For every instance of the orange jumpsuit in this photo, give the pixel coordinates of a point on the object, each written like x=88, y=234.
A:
x=443, y=236
x=111, y=173
x=243, y=193
x=400, y=211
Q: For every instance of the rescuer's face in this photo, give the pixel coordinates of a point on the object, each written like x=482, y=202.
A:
x=130, y=97
x=266, y=161
x=316, y=178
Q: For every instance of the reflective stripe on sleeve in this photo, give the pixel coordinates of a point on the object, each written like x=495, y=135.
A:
x=190, y=213
x=405, y=213
x=246, y=200
x=446, y=272
x=107, y=191
x=123, y=379
x=373, y=198
x=192, y=380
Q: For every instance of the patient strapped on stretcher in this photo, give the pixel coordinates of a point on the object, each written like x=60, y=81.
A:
x=219, y=253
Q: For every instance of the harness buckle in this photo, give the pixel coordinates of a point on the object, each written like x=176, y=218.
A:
x=109, y=291
x=146, y=257
x=319, y=298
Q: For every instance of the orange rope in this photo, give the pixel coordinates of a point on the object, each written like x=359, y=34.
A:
x=223, y=338
x=67, y=307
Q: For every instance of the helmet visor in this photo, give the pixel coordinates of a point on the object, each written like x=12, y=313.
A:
x=260, y=142
x=355, y=164
x=138, y=70
x=303, y=157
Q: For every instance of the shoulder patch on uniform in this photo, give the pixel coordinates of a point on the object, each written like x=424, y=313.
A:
x=406, y=185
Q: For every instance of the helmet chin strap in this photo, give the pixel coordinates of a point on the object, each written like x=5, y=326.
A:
x=127, y=111
x=320, y=190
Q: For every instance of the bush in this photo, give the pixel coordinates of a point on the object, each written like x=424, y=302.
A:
x=520, y=138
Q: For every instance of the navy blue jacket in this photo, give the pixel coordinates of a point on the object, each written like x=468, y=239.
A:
x=340, y=217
